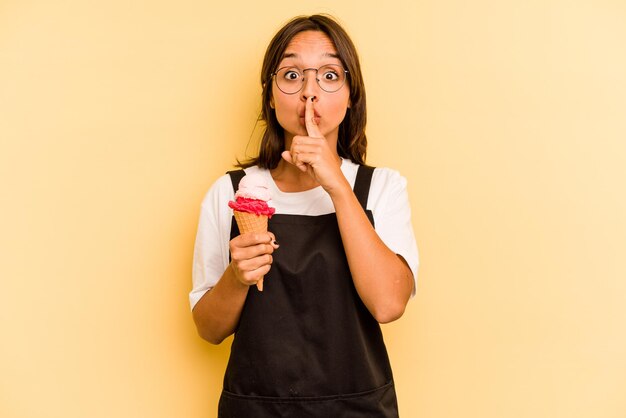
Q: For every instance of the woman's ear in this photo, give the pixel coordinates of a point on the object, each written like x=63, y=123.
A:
x=272, y=102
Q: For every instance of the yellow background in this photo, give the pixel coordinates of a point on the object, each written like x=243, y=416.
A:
x=508, y=119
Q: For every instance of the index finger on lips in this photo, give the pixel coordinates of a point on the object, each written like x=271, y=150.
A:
x=309, y=120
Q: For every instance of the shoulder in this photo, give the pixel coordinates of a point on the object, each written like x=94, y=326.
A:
x=382, y=176
x=222, y=189
x=387, y=182
x=387, y=175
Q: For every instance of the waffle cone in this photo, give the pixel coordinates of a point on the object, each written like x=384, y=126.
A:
x=250, y=222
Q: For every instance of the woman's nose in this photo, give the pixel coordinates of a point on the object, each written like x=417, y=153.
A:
x=311, y=87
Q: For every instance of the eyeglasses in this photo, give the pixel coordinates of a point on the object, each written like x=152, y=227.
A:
x=330, y=78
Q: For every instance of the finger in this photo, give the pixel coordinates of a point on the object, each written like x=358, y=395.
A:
x=303, y=149
x=309, y=120
x=287, y=156
x=303, y=144
x=307, y=159
x=251, y=277
x=241, y=252
x=291, y=159
x=251, y=239
x=255, y=263
x=274, y=242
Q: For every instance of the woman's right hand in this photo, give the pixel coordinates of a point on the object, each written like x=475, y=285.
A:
x=251, y=256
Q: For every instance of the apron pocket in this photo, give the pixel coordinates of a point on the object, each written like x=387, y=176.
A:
x=375, y=403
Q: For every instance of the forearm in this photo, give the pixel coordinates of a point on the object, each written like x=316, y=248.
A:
x=382, y=279
x=217, y=313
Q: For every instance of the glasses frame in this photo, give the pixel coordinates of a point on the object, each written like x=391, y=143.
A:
x=345, y=72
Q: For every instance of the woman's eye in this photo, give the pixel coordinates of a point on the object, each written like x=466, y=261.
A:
x=331, y=76
x=292, y=75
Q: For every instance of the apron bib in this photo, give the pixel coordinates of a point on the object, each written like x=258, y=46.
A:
x=307, y=346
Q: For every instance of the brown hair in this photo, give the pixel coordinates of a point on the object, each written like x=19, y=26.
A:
x=352, y=142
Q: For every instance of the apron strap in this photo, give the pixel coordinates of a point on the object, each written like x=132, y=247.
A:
x=235, y=177
x=362, y=184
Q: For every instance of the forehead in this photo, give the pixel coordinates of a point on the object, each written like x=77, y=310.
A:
x=310, y=45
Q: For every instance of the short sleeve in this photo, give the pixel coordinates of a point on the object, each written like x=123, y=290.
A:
x=389, y=203
x=210, y=257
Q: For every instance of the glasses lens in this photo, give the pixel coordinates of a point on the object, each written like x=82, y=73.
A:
x=331, y=77
x=289, y=80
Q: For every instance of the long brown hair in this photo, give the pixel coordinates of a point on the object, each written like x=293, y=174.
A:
x=352, y=142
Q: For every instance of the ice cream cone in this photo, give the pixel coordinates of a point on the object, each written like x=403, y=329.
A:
x=250, y=222
x=250, y=207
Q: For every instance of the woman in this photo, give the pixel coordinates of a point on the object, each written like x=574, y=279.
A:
x=310, y=344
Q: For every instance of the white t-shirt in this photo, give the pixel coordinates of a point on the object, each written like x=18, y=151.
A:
x=388, y=200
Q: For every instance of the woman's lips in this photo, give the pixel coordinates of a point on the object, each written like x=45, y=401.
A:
x=316, y=119
x=315, y=114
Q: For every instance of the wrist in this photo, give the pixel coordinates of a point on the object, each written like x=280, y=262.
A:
x=235, y=282
x=340, y=190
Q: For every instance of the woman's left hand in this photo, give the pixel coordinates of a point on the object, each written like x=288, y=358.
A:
x=313, y=155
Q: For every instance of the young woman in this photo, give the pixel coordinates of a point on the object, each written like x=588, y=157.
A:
x=339, y=259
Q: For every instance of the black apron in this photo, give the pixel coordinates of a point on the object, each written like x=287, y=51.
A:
x=307, y=346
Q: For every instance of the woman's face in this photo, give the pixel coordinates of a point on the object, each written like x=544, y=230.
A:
x=310, y=49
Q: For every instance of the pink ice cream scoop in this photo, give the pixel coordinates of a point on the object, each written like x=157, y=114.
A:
x=252, y=196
